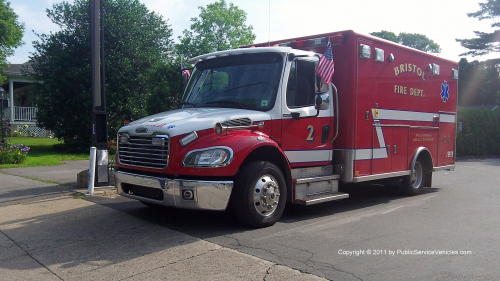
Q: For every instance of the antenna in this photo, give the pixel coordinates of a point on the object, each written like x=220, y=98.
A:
x=269, y=33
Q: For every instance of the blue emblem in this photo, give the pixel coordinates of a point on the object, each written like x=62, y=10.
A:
x=444, y=91
x=171, y=126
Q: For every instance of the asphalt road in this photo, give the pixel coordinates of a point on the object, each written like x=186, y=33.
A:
x=450, y=232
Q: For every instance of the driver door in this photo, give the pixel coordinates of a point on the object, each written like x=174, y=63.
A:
x=307, y=141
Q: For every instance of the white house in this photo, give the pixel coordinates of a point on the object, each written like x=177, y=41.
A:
x=20, y=101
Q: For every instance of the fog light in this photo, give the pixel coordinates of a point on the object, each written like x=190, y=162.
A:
x=187, y=194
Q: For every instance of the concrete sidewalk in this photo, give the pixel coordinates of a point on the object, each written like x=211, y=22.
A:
x=48, y=233
x=19, y=185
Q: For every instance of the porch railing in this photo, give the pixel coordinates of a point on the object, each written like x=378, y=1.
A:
x=25, y=113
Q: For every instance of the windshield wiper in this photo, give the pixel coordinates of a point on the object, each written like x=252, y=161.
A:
x=235, y=102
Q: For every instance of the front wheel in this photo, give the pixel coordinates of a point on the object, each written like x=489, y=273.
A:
x=260, y=194
x=414, y=183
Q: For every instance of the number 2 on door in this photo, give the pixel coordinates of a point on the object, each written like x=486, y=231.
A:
x=310, y=137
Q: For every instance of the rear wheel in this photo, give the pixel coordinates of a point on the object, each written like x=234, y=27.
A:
x=260, y=194
x=414, y=183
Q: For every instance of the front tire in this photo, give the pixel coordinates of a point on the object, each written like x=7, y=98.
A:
x=260, y=194
x=414, y=183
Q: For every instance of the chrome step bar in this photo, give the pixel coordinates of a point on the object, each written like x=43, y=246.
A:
x=320, y=198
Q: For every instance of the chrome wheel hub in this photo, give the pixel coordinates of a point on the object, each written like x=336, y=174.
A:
x=266, y=195
x=416, y=175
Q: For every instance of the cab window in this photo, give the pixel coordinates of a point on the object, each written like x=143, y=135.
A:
x=300, y=89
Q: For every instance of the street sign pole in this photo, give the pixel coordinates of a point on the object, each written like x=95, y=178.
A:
x=99, y=114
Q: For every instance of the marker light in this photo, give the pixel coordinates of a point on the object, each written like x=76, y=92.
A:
x=337, y=39
x=123, y=139
x=299, y=44
x=158, y=141
x=454, y=74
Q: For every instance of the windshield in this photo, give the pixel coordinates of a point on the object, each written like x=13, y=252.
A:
x=247, y=81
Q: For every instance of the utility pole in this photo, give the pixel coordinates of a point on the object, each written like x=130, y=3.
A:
x=98, y=173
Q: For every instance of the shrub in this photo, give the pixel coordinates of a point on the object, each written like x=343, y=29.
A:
x=13, y=154
x=480, y=134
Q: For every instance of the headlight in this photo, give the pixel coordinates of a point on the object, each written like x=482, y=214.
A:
x=212, y=157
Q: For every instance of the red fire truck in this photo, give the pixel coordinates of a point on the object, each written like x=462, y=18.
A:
x=258, y=128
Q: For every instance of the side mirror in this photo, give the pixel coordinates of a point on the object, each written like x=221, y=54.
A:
x=322, y=101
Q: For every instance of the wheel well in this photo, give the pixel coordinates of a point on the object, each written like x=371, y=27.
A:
x=426, y=159
x=273, y=155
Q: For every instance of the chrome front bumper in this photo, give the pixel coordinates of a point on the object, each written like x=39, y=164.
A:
x=207, y=195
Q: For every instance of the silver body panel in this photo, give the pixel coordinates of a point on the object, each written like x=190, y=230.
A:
x=343, y=161
x=312, y=172
x=208, y=195
x=313, y=186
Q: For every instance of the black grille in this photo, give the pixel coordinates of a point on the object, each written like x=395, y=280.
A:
x=143, y=191
x=237, y=122
x=139, y=152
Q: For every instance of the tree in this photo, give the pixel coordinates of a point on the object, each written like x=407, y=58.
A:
x=163, y=77
x=387, y=35
x=419, y=42
x=218, y=28
x=479, y=82
x=11, y=34
x=135, y=40
x=414, y=40
x=485, y=42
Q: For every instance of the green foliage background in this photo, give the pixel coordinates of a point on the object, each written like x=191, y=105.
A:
x=219, y=27
x=413, y=40
x=135, y=40
x=480, y=134
x=11, y=34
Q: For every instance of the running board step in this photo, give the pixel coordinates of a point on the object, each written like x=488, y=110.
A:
x=320, y=198
x=305, y=187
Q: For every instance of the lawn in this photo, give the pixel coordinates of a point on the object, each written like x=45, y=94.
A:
x=42, y=153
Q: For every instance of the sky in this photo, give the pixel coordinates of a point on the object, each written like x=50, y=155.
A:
x=440, y=20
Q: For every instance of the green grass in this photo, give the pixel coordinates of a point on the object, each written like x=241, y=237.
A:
x=42, y=153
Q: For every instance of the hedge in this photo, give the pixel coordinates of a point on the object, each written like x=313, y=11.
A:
x=478, y=132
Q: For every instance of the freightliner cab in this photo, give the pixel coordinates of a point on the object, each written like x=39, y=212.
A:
x=257, y=128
